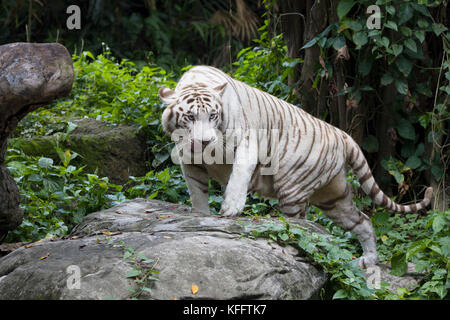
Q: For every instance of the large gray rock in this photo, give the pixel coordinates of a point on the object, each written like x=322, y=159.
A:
x=31, y=76
x=116, y=152
x=187, y=249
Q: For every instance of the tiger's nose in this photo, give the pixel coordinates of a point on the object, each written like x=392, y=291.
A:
x=206, y=142
x=200, y=143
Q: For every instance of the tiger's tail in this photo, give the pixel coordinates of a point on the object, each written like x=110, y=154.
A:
x=357, y=161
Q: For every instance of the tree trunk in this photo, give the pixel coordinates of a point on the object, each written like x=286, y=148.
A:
x=31, y=75
x=292, y=24
x=316, y=21
x=385, y=121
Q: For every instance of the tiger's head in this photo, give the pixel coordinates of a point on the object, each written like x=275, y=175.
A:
x=197, y=110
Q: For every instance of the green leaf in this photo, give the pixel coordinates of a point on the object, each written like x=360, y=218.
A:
x=391, y=25
x=126, y=255
x=283, y=236
x=424, y=89
x=405, y=13
x=35, y=178
x=421, y=8
x=437, y=172
x=405, y=129
x=413, y=162
x=384, y=41
x=420, y=150
x=422, y=23
x=397, y=176
x=338, y=43
x=438, y=28
x=424, y=120
x=399, y=266
x=397, y=49
x=370, y=144
x=310, y=43
x=404, y=65
x=408, y=149
x=360, y=39
x=402, y=86
x=340, y=294
x=411, y=45
x=406, y=31
x=386, y=79
x=420, y=34
x=364, y=66
x=390, y=10
x=133, y=273
x=354, y=25
x=416, y=247
x=344, y=7
x=147, y=290
x=45, y=162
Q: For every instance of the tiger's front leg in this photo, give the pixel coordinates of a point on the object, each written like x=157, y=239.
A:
x=238, y=183
x=197, y=179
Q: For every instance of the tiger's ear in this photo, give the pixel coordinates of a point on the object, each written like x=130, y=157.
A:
x=167, y=95
x=221, y=88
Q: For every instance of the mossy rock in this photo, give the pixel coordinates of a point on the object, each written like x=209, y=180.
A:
x=116, y=152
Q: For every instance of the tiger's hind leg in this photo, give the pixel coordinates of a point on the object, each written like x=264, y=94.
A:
x=297, y=210
x=336, y=201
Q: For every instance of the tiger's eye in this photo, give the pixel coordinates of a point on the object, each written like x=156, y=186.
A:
x=191, y=117
x=212, y=116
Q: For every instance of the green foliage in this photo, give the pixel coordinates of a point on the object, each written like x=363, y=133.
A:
x=333, y=253
x=167, y=185
x=393, y=56
x=271, y=53
x=430, y=253
x=54, y=198
x=116, y=92
x=168, y=33
x=142, y=273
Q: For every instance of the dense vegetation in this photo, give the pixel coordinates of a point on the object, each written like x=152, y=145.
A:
x=56, y=195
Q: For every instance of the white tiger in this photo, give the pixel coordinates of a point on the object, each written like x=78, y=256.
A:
x=311, y=154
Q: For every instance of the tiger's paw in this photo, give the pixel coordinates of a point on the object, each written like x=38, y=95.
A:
x=234, y=201
x=232, y=206
x=229, y=211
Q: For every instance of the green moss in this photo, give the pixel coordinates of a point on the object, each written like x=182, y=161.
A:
x=114, y=152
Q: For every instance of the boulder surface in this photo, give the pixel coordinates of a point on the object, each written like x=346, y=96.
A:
x=195, y=256
x=116, y=152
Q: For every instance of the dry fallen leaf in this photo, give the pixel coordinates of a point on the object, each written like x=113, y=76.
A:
x=403, y=188
x=45, y=257
x=343, y=53
x=109, y=234
x=194, y=289
x=351, y=103
x=119, y=211
x=322, y=63
x=167, y=237
x=29, y=246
